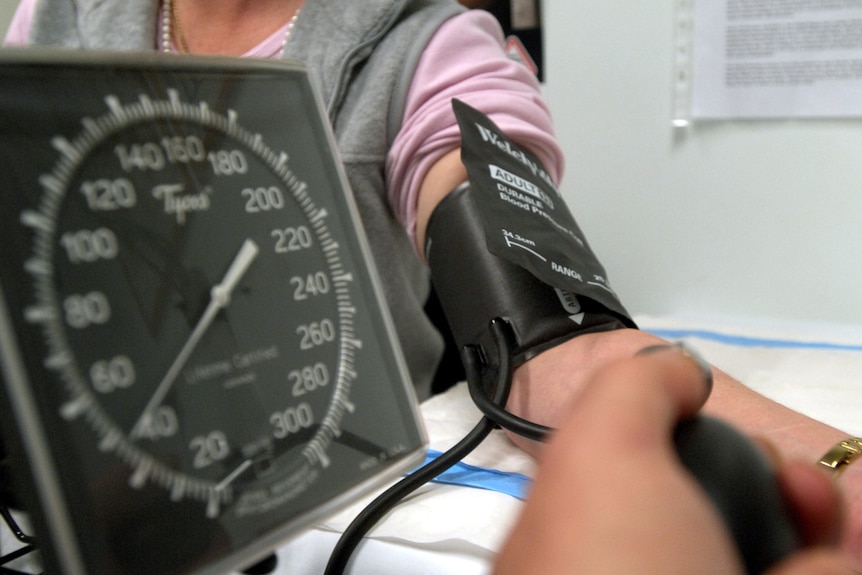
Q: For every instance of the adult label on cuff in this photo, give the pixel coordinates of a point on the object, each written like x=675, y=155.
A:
x=525, y=219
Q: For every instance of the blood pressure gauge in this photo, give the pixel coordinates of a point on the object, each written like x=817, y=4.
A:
x=195, y=353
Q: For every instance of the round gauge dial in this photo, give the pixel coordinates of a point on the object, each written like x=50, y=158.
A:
x=199, y=273
x=196, y=357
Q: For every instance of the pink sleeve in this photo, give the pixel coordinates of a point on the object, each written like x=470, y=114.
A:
x=465, y=59
x=18, y=33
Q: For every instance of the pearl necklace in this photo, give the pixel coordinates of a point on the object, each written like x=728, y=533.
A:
x=170, y=21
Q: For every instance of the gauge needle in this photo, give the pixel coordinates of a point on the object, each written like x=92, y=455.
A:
x=233, y=475
x=219, y=299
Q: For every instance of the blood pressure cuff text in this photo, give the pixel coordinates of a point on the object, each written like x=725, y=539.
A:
x=505, y=246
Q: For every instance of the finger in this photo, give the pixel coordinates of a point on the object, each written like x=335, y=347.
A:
x=770, y=451
x=814, y=501
x=644, y=396
x=703, y=374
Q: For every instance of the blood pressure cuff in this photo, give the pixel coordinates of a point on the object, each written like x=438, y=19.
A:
x=505, y=246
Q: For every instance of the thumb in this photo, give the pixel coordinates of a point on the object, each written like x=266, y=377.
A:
x=645, y=396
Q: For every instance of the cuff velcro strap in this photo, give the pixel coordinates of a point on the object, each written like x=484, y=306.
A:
x=475, y=287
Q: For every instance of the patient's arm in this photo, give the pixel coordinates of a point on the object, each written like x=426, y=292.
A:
x=544, y=386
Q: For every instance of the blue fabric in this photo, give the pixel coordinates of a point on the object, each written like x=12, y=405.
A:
x=514, y=484
x=745, y=341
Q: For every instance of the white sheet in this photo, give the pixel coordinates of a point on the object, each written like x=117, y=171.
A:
x=815, y=369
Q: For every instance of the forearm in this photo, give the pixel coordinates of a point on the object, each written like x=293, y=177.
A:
x=794, y=433
x=544, y=387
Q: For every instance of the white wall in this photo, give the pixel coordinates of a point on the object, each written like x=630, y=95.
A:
x=733, y=219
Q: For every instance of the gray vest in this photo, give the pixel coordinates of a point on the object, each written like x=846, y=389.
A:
x=362, y=54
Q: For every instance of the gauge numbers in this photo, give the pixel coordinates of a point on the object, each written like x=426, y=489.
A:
x=193, y=266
